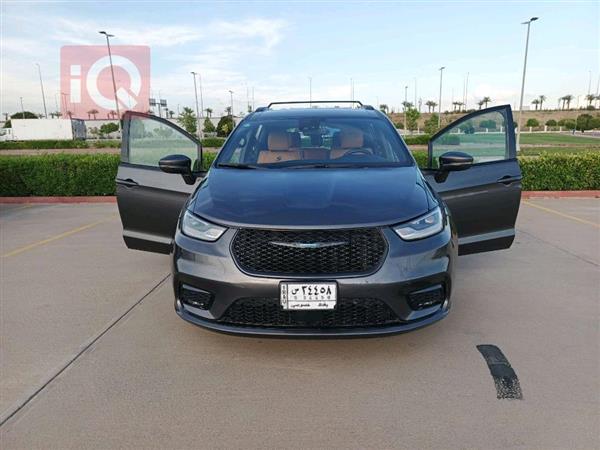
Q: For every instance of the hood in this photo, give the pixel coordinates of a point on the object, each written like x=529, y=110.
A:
x=311, y=198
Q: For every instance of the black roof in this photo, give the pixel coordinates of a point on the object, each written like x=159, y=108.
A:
x=295, y=113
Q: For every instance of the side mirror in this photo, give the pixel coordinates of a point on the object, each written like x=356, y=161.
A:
x=180, y=164
x=452, y=162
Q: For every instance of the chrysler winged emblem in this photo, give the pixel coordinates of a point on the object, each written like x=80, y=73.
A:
x=309, y=244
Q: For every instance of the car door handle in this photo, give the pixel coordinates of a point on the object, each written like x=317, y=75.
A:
x=128, y=182
x=508, y=179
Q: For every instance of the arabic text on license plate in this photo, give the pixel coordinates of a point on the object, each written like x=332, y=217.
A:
x=299, y=296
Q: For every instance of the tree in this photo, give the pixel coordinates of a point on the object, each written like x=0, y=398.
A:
x=590, y=98
x=480, y=103
x=108, y=128
x=208, y=126
x=486, y=100
x=431, y=124
x=489, y=124
x=569, y=124
x=24, y=115
x=532, y=123
x=188, y=120
x=407, y=105
x=170, y=113
x=412, y=117
x=430, y=105
x=587, y=122
x=70, y=114
x=455, y=105
x=542, y=99
x=535, y=102
x=225, y=126
x=551, y=123
x=92, y=112
x=112, y=114
x=383, y=108
x=567, y=99
x=209, y=111
x=228, y=110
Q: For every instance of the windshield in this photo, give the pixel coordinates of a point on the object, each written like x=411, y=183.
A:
x=314, y=142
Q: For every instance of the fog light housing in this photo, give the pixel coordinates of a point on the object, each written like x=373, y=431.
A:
x=426, y=298
x=196, y=298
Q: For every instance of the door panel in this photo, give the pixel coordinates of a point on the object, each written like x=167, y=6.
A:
x=149, y=199
x=484, y=199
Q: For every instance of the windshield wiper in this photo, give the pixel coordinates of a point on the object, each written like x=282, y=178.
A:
x=325, y=166
x=238, y=166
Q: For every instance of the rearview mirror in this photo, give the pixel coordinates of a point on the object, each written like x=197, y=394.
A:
x=452, y=162
x=180, y=164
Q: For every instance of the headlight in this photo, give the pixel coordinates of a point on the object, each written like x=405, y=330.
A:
x=427, y=225
x=195, y=227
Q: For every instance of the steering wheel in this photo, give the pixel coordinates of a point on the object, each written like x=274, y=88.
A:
x=358, y=151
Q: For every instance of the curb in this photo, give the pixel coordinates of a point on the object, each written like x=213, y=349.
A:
x=560, y=194
x=113, y=199
x=99, y=199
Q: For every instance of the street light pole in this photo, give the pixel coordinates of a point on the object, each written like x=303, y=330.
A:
x=231, y=99
x=405, y=106
x=528, y=23
x=22, y=109
x=440, y=98
x=201, y=99
x=42, y=86
x=112, y=73
x=197, y=113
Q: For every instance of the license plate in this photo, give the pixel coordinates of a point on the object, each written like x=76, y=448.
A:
x=306, y=296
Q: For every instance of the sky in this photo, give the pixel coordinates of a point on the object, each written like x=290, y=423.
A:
x=274, y=47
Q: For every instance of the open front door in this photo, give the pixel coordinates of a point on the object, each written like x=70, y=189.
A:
x=484, y=199
x=149, y=199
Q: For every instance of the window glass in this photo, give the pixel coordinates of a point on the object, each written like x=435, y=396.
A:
x=315, y=140
x=484, y=137
x=151, y=140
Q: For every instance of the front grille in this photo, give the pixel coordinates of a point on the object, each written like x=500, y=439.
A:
x=349, y=312
x=426, y=298
x=195, y=297
x=338, y=252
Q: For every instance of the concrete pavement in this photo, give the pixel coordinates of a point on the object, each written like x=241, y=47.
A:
x=95, y=357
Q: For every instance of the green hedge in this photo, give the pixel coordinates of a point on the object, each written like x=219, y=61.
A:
x=68, y=174
x=58, y=143
x=215, y=142
x=46, y=144
x=417, y=139
x=559, y=172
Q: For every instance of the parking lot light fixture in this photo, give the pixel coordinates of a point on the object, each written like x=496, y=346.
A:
x=198, y=132
x=42, y=86
x=231, y=99
x=112, y=72
x=440, y=98
x=528, y=23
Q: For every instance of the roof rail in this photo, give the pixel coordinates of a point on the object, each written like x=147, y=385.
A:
x=315, y=101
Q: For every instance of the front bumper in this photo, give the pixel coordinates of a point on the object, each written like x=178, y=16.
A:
x=408, y=267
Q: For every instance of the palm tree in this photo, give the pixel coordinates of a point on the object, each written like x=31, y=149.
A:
x=590, y=98
x=228, y=110
x=480, y=103
x=171, y=114
x=209, y=111
x=92, y=112
x=407, y=105
x=70, y=114
x=568, y=98
x=486, y=100
x=542, y=99
x=430, y=105
x=383, y=108
x=535, y=102
x=454, y=106
x=112, y=114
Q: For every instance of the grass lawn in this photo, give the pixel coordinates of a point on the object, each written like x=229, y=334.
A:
x=559, y=139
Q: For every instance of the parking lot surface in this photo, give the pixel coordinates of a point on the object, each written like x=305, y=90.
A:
x=93, y=355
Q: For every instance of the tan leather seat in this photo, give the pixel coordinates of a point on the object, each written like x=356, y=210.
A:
x=279, y=144
x=349, y=138
x=315, y=153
